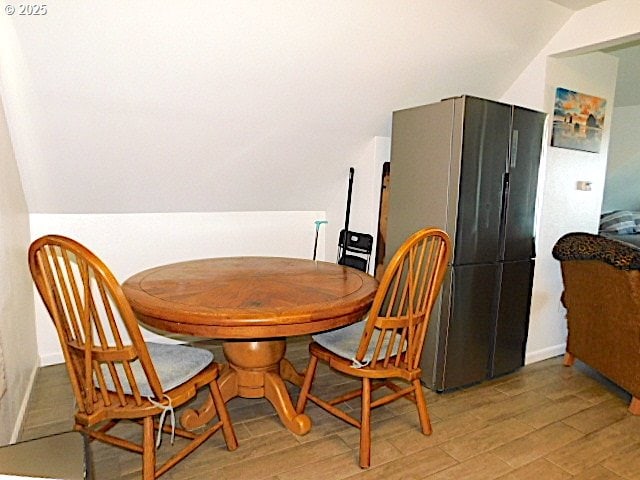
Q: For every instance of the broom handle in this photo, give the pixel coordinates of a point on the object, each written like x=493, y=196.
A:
x=346, y=219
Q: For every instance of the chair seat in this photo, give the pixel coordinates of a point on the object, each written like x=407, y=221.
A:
x=175, y=364
x=346, y=340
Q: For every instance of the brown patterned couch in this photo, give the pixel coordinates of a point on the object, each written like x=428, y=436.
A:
x=601, y=279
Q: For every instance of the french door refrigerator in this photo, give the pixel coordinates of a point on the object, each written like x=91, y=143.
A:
x=470, y=166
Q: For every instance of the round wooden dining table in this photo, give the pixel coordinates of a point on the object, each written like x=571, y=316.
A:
x=252, y=304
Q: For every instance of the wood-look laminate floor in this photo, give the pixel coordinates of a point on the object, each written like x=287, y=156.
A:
x=544, y=422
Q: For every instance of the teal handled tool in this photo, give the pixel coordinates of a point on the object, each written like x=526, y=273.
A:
x=315, y=245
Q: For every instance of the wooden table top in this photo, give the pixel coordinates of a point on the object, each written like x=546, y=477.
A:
x=250, y=297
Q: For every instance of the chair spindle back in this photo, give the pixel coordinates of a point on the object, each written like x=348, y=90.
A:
x=99, y=334
x=405, y=299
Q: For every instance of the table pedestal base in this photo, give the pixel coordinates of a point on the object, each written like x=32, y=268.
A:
x=257, y=369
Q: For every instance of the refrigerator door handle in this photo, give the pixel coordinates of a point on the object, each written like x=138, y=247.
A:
x=506, y=187
x=505, y=194
x=514, y=148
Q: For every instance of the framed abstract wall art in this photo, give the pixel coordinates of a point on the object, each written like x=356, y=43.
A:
x=578, y=121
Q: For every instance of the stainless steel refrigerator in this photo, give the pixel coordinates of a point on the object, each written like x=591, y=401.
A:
x=470, y=166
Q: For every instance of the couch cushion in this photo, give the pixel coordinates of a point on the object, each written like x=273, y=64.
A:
x=636, y=219
x=587, y=246
x=621, y=221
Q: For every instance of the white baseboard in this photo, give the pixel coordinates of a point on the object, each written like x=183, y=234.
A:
x=23, y=406
x=51, y=359
x=549, y=352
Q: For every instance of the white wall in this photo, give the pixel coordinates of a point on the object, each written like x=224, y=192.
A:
x=18, y=351
x=365, y=199
x=623, y=166
x=185, y=236
x=128, y=243
x=563, y=208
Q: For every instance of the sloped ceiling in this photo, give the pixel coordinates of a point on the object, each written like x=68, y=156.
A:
x=159, y=106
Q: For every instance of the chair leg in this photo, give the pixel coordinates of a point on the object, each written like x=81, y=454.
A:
x=365, y=425
x=306, y=385
x=421, y=403
x=569, y=359
x=148, y=450
x=634, y=406
x=227, y=427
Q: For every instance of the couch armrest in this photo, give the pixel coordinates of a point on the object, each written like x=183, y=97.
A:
x=587, y=246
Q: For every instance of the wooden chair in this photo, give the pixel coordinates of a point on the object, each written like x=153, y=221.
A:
x=388, y=344
x=114, y=374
